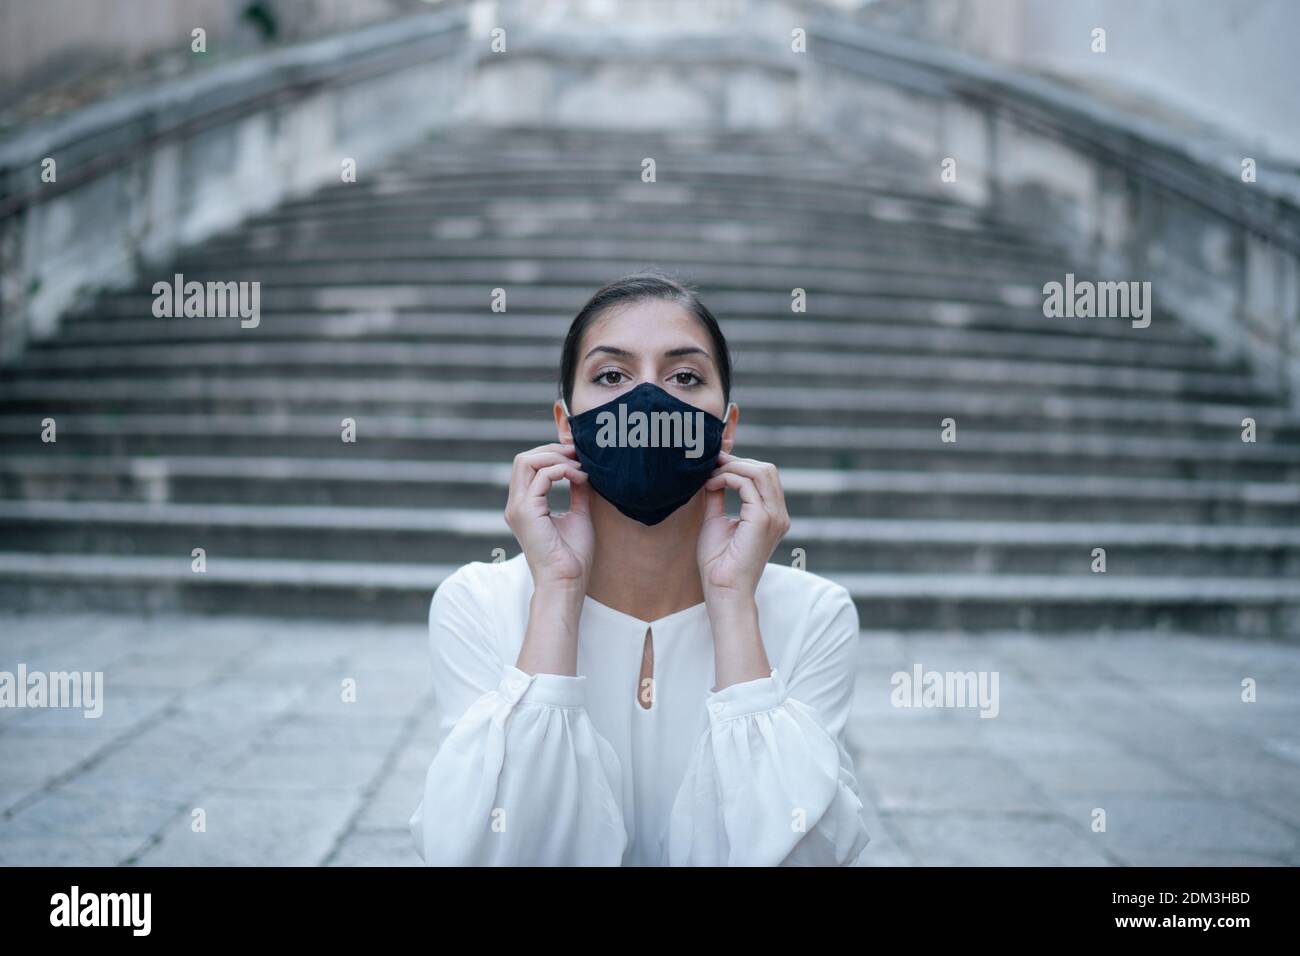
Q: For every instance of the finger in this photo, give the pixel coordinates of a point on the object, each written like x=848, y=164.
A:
x=534, y=499
x=764, y=476
x=580, y=496
x=715, y=498
x=531, y=462
x=746, y=465
x=527, y=463
x=555, y=452
x=751, y=502
x=553, y=448
x=545, y=477
x=564, y=449
x=726, y=456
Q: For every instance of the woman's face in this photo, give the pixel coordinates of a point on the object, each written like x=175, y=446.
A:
x=648, y=341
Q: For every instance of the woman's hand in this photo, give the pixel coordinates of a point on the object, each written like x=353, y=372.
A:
x=557, y=547
x=732, y=552
x=558, y=550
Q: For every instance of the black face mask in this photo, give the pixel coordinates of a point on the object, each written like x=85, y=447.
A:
x=645, y=482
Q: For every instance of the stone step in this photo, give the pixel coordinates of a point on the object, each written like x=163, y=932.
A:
x=1012, y=311
x=680, y=193
x=307, y=238
x=730, y=150
x=457, y=535
x=658, y=204
x=528, y=399
x=549, y=139
x=882, y=274
x=482, y=485
x=447, y=361
x=289, y=286
x=867, y=407
x=689, y=248
x=363, y=591
x=430, y=167
x=422, y=438
x=484, y=329
x=620, y=176
x=679, y=183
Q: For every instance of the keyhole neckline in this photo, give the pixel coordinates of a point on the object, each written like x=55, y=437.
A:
x=640, y=626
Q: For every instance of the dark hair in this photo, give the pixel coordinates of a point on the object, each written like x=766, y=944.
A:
x=637, y=288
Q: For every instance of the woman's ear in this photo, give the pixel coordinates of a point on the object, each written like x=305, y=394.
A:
x=562, y=423
x=730, y=417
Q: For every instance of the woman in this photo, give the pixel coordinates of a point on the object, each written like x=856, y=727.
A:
x=640, y=686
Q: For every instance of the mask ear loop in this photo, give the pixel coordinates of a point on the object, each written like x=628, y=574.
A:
x=726, y=415
x=568, y=418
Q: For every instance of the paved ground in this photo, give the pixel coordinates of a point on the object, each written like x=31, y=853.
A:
x=245, y=719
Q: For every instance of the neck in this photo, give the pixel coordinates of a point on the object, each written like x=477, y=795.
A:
x=647, y=572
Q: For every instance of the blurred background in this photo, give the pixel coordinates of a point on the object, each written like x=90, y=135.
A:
x=229, y=518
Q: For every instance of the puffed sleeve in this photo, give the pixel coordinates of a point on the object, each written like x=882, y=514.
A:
x=770, y=782
x=520, y=775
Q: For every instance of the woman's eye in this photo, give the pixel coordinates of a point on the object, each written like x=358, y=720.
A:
x=610, y=376
x=686, y=377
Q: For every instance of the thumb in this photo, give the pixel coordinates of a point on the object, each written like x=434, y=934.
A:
x=580, y=497
x=715, y=500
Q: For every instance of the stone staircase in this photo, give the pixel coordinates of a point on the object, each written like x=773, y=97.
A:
x=1072, y=434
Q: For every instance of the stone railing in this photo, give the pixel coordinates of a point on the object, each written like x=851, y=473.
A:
x=138, y=176
x=1130, y=199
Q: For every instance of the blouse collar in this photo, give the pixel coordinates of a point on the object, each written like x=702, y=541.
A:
x=677, y=618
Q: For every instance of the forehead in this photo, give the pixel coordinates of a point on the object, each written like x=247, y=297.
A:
x=650, y=324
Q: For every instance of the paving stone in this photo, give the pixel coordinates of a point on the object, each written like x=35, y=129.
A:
x=1178, y=821
x=415, y=757
x=256, y=829
x=325, y=697
x=948, y=780
x=1041, y=728
x=123, y=712
x=78, y=813
x=1102, y=773
x=41, y=760
x=882, y=851
x=154, y=672
x=394, y=801
x=348, y=729
x=377, y=848
x=1190, y=858
x=967, y=839
x=913, y=732
x=337, y=767
x=1265, y=782
x=1284, y=746
x=11, y=794
x=235, y=702
x=66, y=851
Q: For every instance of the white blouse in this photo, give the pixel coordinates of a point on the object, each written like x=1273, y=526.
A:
x=550, y=769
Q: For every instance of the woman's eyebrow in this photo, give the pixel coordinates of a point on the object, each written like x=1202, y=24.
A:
x=608, y=350
x=670, y=353
x=685, y=350
x=688, y=350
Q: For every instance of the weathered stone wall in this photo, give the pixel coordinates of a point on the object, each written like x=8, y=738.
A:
x=139, y=176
